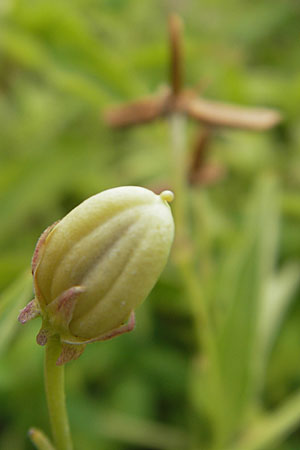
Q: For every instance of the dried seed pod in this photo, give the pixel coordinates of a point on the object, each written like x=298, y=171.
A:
x=95, y=266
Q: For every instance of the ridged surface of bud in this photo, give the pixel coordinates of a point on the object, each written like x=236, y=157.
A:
x=95, y=266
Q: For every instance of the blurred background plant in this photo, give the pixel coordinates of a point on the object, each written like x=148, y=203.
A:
x=62, y=65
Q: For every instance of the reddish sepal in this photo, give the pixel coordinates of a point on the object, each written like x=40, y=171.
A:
x=129, y=326
x=61, y=309
x=31, y=311
x=69, y=352
x=40, y=245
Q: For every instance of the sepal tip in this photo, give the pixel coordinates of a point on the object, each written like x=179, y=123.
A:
x=31, y=311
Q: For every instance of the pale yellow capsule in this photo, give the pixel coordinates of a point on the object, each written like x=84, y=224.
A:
x=95, y=266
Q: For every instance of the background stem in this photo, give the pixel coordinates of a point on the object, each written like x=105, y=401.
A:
x=191, y=275
x=184, y=246
x=54, y=381
x=40, y=441
x=178, y=166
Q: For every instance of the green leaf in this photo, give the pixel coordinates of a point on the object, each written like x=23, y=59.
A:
x=279, y=293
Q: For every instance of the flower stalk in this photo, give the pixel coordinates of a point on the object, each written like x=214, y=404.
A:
x=54, y=383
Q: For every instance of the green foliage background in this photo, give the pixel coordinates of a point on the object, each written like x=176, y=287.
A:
x=61, y=64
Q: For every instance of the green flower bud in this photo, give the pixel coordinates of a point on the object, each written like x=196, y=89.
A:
x=96, y=265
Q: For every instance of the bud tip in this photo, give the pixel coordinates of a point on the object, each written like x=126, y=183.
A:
x=168, y=196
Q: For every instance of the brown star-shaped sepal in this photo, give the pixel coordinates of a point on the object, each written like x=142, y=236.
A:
x=178, y=100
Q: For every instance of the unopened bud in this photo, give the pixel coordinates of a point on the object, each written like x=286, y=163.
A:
x=94, y=267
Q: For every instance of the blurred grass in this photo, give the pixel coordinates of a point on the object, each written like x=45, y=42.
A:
x=61, y=64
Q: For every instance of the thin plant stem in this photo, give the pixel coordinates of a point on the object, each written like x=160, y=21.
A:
x=40, y=441
x=185, y=260
x=184, y=248
x=178, y=161
x=54, y=380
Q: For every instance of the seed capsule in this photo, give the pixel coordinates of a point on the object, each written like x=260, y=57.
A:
x=95, y=266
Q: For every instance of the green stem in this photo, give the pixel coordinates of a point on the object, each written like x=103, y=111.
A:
x=40, y=441
x=54, y=380
x=185, y=259
x=184, y=247
x=179, y=167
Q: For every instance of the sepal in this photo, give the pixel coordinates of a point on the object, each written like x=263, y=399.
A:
x=126, y=328
x=62, y=308
x=69, y=352
x=40, y=246
x=31, y=311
